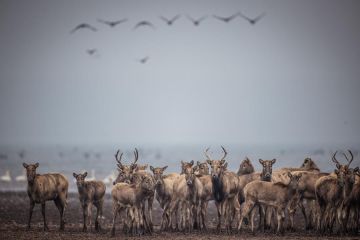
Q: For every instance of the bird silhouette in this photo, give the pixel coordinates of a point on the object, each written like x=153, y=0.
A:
x=144, y=24
x=112, y=23
x=143, y=60
x=252, y=21
x=92, y=51
x=83, y=26
x=196, y=22
x=170, y=21
x=226, y=19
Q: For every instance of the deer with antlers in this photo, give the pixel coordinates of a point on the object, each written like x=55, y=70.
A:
x=330, y=193
x=129, y=174
x=225, y=190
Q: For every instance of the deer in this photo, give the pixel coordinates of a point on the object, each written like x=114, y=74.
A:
x=306, y=192
x=307, y=165
x=163, y=191
x=272, y=194
x=130, y=196
x=186, y=191
x=245, y=167
x=46, y=187
x=201, y=168
x=225, y=189
x=329, y=192
x=127, y=173
x=90, y=193
x=353, y=203
x=264, y=175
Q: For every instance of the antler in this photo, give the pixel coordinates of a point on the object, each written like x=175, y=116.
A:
x=136, y=153
x=118, y=159
x=349, y=160
x=335, y=160
x=207, y=154
x=225, y=153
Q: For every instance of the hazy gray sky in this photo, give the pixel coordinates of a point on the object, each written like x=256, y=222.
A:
x=291, y=79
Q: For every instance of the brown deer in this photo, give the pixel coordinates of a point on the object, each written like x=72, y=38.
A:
x=187, y=189
x=306, y=192
x=307, y=165
x=163, y=191
x=353, y=203
x=128, y=174
x=245, y=167
x=225, y=189
x=264, y=175
x=130, y=196
x=201, y=168
x=46, y=187
x=329, y=192
x=90, y=193
x=272, y=194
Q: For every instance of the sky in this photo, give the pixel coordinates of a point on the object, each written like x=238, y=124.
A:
x=293, y=78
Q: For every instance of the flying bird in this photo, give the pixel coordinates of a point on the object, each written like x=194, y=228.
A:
x=144, y=24
x=252, y=21
x=196, y=22
x=226, y=19
x=143, y=60
x=92, y=51
x=112, y=23
x=83, y=26
x=170, y=21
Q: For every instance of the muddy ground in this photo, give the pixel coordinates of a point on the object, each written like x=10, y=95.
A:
x=14, y=214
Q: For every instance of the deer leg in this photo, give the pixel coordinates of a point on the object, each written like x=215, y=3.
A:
x=60, y=207
x=98, y=206
x=43, y=214
x=32, y=204
x=150, y=209
x=219, y=210
x=89, y=206
x=84, y=217
x=115, y=211
x=248, y=206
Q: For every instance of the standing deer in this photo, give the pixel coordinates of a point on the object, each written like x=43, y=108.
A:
x=272, y=194
x=130, y=196
x=90, y=193
x=46, y=187
x=329, y=192
x=225, y=190
x=163, y=192
x=128, y=173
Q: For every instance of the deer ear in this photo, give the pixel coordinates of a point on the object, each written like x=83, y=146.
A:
x=152, y=168
x=75, y=175
x=222, y=161
x=182, y=162
x=192, y=162
x=164, y=168
x=25, y=165
x=198, y=163
x=37, y=165
x=356, y=169
x=224, y=165
x=208, y=162
x=289, y=175
x=273, y=161
x=336, y=171
x=261, y=161
x=85, y=174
